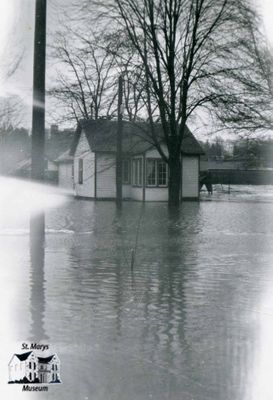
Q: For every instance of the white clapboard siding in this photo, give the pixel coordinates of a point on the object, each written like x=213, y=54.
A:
x=137, y=193
x=65, y=175
x=156, y=194
x=83, y=146
x=190, y=177
x=126, y=191
x=106, y=176
x=153, y=153
x=52, y=166
x=87, y=188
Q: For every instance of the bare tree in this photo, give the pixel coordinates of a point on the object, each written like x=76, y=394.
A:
x=128, y=64
x=11, y=105
x=195, y=54
x=11, y=114
x=13, y=141
x=252, y=112
x=90, y=64
x=86, y=82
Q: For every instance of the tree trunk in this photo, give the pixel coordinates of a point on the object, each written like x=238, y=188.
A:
x=119, y=147
x=175, y=180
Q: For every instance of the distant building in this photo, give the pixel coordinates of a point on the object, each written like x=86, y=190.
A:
x=54, y=130
x=65, y=170
x=55, y=146
x=14, y=148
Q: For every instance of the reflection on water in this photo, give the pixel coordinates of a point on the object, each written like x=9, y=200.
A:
x=37, y=278
x=191, y=320
x=183, y=322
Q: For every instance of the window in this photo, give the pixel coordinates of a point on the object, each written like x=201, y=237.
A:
x=137, y=172
x=80, y=171
x=162, y=174
x=151, y=172
x=34, y=365
x=156, y=172
x=126, y=172
x=30, y=376
x=30, y=365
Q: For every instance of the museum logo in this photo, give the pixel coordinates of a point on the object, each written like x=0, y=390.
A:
x=29, y=368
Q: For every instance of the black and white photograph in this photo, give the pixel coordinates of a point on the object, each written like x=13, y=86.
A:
x=136, y=205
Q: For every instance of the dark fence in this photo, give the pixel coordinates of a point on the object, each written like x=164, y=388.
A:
x=241, y=177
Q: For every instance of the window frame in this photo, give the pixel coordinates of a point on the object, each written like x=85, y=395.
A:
x=137, y=172
x=157, y=161
x=80, y=171
x=161, y=161
x=154, y=161
x=128, y=170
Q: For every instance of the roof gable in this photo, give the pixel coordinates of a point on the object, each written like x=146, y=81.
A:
x=57, y=144
x=24, y=356
x=47, y=360
x=101, y=135
x=64, y=158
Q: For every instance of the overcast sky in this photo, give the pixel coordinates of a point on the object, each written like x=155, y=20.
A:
x=16, y=38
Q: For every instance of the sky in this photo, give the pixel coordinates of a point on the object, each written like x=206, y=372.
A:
x=16, y=38
x=266, y=7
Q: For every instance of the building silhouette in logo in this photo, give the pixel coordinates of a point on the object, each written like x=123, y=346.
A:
x=29, y=368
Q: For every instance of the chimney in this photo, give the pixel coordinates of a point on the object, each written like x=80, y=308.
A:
x=54, y=129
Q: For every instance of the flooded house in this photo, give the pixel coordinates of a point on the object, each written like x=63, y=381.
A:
x=145, y=173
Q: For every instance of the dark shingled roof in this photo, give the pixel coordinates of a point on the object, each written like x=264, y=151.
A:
x=101, y=136
x=58, y=144
x=24, y=356
x=45, y=360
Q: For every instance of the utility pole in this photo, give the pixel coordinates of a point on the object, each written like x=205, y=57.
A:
x=38, y=107
x=119, y=146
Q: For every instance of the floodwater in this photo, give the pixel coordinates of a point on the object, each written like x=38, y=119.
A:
x=142, y=303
